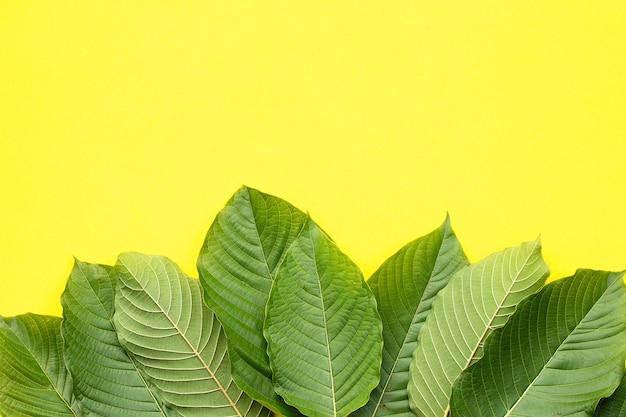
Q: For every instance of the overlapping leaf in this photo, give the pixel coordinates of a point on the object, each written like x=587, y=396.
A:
x=405, y=286
x=107, y=382
x=178, y=343
x=323, y=331
x=615, y=405
x=270, y=273
x=478, y=299
x=561, y=352
x=237, y=263
x=33, y=379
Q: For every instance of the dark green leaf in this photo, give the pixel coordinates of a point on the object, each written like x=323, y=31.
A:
x=561, y=352
x=33, y=379
x=107, y=381
x=405, y=286
x=239, y=258
x=323, y=331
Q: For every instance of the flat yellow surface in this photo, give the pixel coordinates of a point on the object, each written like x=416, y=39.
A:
x=128, y=125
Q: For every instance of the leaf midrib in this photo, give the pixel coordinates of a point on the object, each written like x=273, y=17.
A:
x=404, y=341
x=563, y=343
x=330, y=362
x=130, y=358
x=52, y=384
x=181, y=334
x=499, y=306
x=488, y=328
x=270, y=273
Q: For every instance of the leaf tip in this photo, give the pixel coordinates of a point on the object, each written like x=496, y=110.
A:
x=534, y=244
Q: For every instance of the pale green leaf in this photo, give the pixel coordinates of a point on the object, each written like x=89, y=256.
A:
x=107, y=382
x=405, y=286
x=323, y=331
x=177, y=341
x=615, y=405
x=478, y=299
x=561, y=352
x=237, y=263
x=33, y=379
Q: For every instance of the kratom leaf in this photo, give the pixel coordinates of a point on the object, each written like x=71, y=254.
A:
x=323, y=332
x=106, y=381
x=33, y=379
x=478, y=299
x=177, y=342
x=615, y=405
x=405, y=286
x=561, y=352
x=237, y=263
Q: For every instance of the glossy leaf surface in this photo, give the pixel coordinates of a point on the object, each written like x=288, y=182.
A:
x=323, y=331
x=405, y=286
x=561, y=352
x=237, y=263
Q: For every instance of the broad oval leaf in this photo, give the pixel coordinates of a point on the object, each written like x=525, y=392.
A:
x=323, y=331
x=178, y=343
x=106, y=380
x=33, y=379
x=478, y=299
x=561, y=352
x=237, y=263
x=405, y=286
x=615, y=405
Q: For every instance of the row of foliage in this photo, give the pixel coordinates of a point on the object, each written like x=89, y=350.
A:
x=281, y=320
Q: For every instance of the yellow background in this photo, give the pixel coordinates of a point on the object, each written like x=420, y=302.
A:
x=128, y=125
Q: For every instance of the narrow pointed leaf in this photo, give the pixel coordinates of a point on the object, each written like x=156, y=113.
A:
x=323, y=331
x=107, y=382
x=405, y=286
x=177, y=342
x=561, y=352
x=237, y=263
x=478, y=299
x=615, y=405
x=33, y=379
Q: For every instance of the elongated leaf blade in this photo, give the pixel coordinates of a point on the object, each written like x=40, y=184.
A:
x=178, y=343
x=33, y=379
x=237, y=263
x=561, y=352
x=615, y=405
x=405, y=286
x=478, y=299
x=107, y=381
x=323, y=331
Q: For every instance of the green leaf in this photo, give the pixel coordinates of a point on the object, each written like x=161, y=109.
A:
x=405, y=286
x=161, y=320
x=478, y=299
x=615, y=405
x=323, y=331
x=561, y=352
x=33, y=379
x=237, y=263
x=107, y=382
